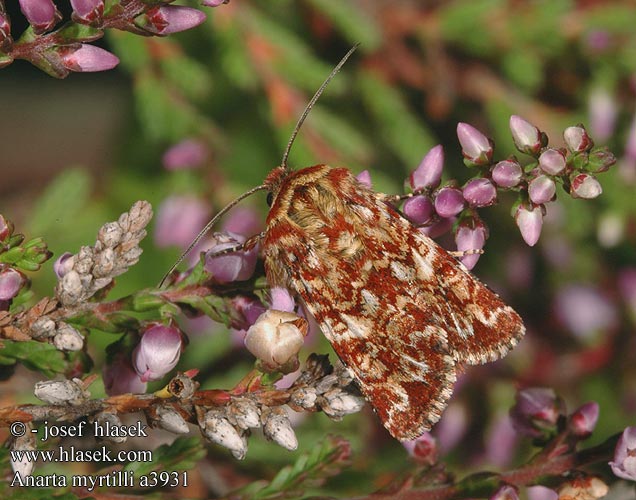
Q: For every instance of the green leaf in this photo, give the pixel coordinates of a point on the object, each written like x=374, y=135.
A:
x=62, y=200
x=182, y=454
x=524, y=67
x=38, y=356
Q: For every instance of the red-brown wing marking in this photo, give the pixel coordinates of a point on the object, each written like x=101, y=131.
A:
x=399, y=311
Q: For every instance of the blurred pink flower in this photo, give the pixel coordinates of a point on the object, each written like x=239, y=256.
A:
x=179, y=220
x=189, y=153
x=584, y=310
x=158, y=351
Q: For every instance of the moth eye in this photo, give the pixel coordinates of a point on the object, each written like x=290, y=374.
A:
x=270, y=199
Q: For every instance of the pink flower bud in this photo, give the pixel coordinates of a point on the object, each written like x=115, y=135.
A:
x=422, y=449
x=529, y=219
x=63, y=264
x=229, y=267
x=438, y=228
x=11, y=281
x=281, y=300
x=585, y=186
x=87, y=11
x=214, y=3
x=166, y=19
x=41, y=14
x=158, y=351
x=470, y=239
x=418, y=209
x=87, y=59
x=5, y=30
x=186, y=154
x=179, y=220
x=6, y=228
x=577, y=140
x=603, y=112
x=541, y=189
x=476, y=147
x=527, y=137
x=276, y=337
x=248, y=310
x=624, y=464
x=120, y=377
x=506, y=492
x=365, y=178
x=583, y=420
x=507, y=173
x=480, y=192
x=536, y=409
x=552, y=161
x=429, y=171
x=449, y=201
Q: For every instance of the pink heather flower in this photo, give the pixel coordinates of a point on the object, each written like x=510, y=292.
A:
x=281, y=300
x=438, y=228
x=167, y=19
x=529, y=220
x=583, y=420
x=11, y=281
x=190, y=153
x=418, y=209
x=598, y=40
x=87, y=59
x=501, y=442
x=624, y=464
x=476, y=147
x=41, y=14
x=429, y=171
x=365, y=178
x=506, y=492
x=248, y=309
x=243, y=220
x=87, y=11
x=450, y=430
x=536, y=409
x=480, y=192
x=527, y=137
x=63, y=264
x=120, y=377
x=449, y=201
x=235, y=266
x=507, y=173
x=585, y=186
x=179, y=220
x=584, y=310
x=541, y=493
x=468, y=239
x=422, y=449
x=541, y=189
x=603, y=112
x=577, y=139
x=214, y=3
x=158, y=351
x=552, y=161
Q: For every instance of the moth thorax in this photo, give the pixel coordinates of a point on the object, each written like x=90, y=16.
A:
x=275, y=178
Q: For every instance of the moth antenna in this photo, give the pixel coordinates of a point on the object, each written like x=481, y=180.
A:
x=313, y=100
x=207, y=228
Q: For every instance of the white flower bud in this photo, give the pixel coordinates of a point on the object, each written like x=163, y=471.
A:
x=170, y=420
x=110, y=234
x=276, y=337
x=111, y=420
x=57, y=392
x=305, y=397
x=277, y=427
x=339, y=403
x=246, y=414
x=43, y=327
x=219, y=430
x=68, y=338
x=25, y=442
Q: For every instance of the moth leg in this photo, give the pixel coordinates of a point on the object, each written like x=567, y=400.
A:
x=247, y=245
x=462, y=253
x=394, y=198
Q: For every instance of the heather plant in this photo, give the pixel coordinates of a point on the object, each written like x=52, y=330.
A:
x=226, y=380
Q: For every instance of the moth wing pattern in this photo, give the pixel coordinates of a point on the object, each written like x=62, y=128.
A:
x=399, y=311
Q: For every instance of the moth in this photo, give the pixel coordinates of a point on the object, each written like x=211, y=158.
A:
x=401, y=313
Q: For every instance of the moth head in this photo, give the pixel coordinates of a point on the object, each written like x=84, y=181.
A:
x=274, y=181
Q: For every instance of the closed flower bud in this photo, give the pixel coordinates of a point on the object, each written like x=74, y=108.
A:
x=529, y=219
x=167, y=19
x=219, y=430
x=111, y=420
x=63, y=264
x=11, y=281
x=480, y=192
x=6, y=228
x=87, y=11
x=585, y=186
x=276, y=337
x=583, y=488
x=624, y=464
x=41, y=14
x=364, y=178
x=120, y=377
x=552, y=161
x=577, y=140
x=5, y=37
x=68, y=338
x=527, y=137
x=281, y=300
x=214, y=3
x=110, y=234
x=233, y=266
x=87, y=58
x=507, y=173
x=541, y=190
x=158, y=351
x=246, y=311
x=536, y=410
x=187, y=154
x=600, y=160
x=449, y=202
x=338, y=403
x=246, y=414
x=58, y=392
x=418, y=209
x=179, y=220
x=506, y=492
x=476, y=147
x=471, y=238
x=171, y=420
x=422, y=449
x=583, y=421
x=429, y=172
x=43, y=327
x=277, y=427
x=24, y=467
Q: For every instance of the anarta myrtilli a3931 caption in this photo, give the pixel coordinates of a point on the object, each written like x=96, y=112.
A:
x=400, y=312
